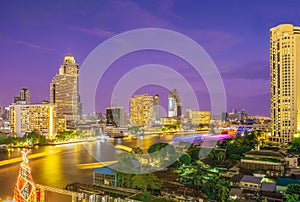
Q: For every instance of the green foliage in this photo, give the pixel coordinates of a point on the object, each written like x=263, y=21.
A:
x=147, y=197
x=292, y=197
x=185, y=159
x=66, y=135
x=171, y=128
x=223, y=188
x=137, y=150
x=163, y=153
x=124, y=180
x=293, y=189
x=295, y=144
x=146, y=181
x=5, y=139
x=194, y=153
x=209, y=188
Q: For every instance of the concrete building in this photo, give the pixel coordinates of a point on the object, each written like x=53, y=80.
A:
x=24, y=96
x=116, y=116
x=156, y=110
x=174, y=104
x=141, y=110
x=42, y=118
x=285, y=76
x=64, y=91
x=251, y=182
x=273, y=162
x=195, y=117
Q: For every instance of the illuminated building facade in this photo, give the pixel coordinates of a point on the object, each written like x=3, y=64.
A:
x=64, y=91
x=174, y=104
x=141, y=110
x=284, y=74
x=195, y=117
x=25, y=188
x=156, y=110
x=41, y=118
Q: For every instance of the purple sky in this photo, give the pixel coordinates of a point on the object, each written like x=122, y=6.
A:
x=35, y=36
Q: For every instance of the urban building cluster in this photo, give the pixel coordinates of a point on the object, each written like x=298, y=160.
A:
x=259, y=174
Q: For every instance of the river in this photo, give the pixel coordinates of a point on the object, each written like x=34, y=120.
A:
x=58, y=167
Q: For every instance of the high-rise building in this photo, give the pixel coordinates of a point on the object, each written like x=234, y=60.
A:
x=64, y=91
x=141, y=110
x=116, y=116
x=174, y=104
x=285, y=77
x=40, y=118
x=156, y=110
x=24, y=96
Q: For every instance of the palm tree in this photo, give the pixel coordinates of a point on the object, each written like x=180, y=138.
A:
x=223, y=187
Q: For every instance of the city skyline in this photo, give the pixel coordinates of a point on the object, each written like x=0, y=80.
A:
x=40, y=38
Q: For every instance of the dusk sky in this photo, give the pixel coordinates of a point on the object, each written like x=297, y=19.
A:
x=36, y=35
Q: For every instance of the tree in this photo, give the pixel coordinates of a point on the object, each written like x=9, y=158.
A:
x=295, y=144
x=163, y=153
x=137, y=150
x=291, y=197
x=293, y=189
x=194, y=152
x=197, y=178
x=146, y=181
x=223, y=187
x=209, y=188
x=185, y=159
x=124, y=179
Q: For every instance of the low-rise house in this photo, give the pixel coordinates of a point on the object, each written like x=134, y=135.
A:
x=235, y=180
x=271, y=196
x=268, y=187
x=235, y=193
x=251, y=183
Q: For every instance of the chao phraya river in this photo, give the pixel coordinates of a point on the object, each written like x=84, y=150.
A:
x=57, y=165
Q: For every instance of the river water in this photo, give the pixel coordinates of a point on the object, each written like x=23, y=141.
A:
x=59, y=166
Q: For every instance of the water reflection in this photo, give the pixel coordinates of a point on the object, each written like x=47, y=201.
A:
x=59, y=167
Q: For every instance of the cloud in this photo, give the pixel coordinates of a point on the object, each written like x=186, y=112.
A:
x=251, y=71
x=213, y=40
x=101, y=33
x=29, y=45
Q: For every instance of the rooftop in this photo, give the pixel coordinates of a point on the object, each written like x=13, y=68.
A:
x=286, y=181
x=267, y=186
x=268, y=153
x=251, y=179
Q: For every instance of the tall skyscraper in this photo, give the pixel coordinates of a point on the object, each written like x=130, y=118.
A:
x=174, y=104
x=64, y=91
x=23, y=96
x=156, y=110
x=285, y=77
x=141, y=110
